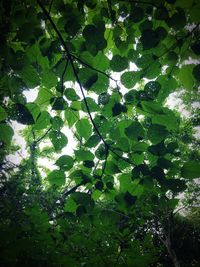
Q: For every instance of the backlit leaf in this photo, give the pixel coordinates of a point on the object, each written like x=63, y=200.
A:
x=84, y=128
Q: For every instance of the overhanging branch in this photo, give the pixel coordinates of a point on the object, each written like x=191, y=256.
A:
x=71, y=58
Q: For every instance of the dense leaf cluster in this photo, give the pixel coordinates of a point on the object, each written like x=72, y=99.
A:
x=104, y=71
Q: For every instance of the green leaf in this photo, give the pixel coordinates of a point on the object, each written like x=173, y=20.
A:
x=136, y=190
x=101, y=85
x=196, y=72
x=65, y=162
x=96, y=194
x=100, y=153
x=135, y=131
x=57, y=123
x=168, y=120
x=44, y=96
x=176, y=185
x=93, y=141
x=49, y=79
x=149, y=39
x=87, y=77
x=118, y=108
x=191, y=170
x=56, y=177
x=70, y=205
x=6, y=133
x=58, y=139
x=43, y=120
x=177, y=20
x=136, y=158
x=84, y=128
x=30, y=76
x=34, y=110
x=131, y=96
x=144, y=61
x=194, y=13
x=156, y=133
x=137, y=14
x=111, y=168
x=22, y=114
x=140, y=147
x=71, y=116
x=118, y=63
x=88, y=164
x=186, y=77
x=168, y=85
x=152, y=89
x=90, y=33
x=125, y=181
x=70, y=94
x=130, y=78
x=158, y=149
x=123, y=144
x=101, y=61
x=132, y=55
x=103, y=98
x=3, y=114
x=58, y=103
x=82, y=155
x=152, y=108
x=152, y=71
x=91, y=104
x=164, y=163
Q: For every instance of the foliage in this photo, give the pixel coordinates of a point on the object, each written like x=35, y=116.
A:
x=103, y=70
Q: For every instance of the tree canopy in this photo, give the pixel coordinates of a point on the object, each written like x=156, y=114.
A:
x=102, y=73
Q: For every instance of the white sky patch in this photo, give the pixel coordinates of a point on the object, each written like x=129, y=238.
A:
x=174, y=102
x=31, y=94
x=18, y=140
x=196, y=104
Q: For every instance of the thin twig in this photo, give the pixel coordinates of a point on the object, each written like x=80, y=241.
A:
x=70, y=58
x=93, y=68
x=42, y=137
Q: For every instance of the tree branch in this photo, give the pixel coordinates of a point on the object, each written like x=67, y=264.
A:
x=70, y=58
x=93, y=68
x=42, y=137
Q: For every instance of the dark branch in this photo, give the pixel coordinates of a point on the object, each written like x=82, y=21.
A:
x=70, y=58
x=93, y=68
x=42, y=137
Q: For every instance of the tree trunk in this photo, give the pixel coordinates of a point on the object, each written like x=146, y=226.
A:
x=172, y=254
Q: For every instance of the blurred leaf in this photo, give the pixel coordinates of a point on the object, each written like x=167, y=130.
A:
x=56, y=177
x=191, y=170
x=65, y=162
x=6, y=133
